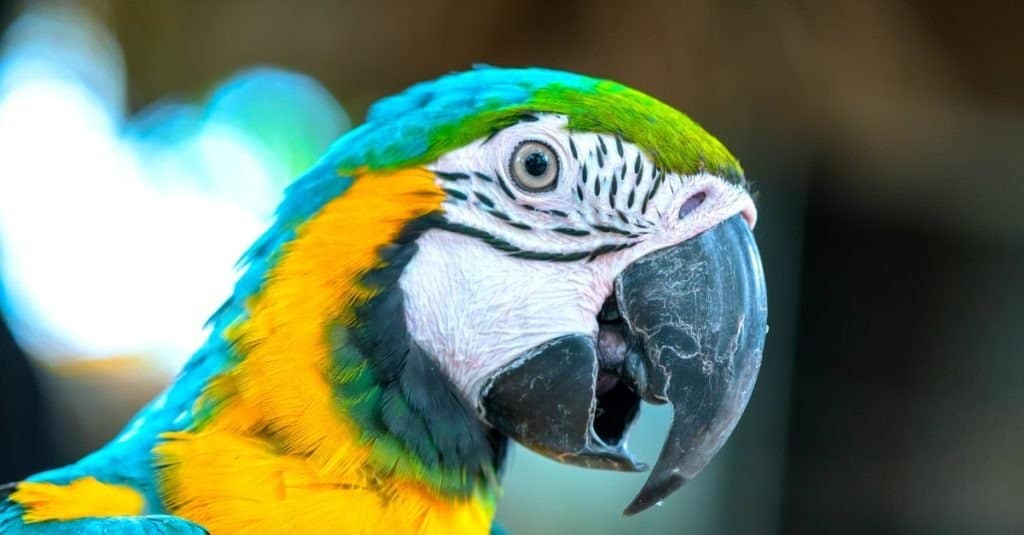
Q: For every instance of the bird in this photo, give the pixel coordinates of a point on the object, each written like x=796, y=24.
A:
x=496, y=255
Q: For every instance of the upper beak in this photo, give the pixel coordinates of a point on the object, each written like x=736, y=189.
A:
x=695, y=320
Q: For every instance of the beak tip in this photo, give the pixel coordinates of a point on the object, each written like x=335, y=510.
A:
x=717, y=278
x=653, y=493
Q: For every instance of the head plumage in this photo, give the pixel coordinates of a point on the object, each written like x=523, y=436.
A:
x=431, y=118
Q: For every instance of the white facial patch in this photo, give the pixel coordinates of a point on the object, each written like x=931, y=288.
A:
x=514, y=268
x=476, y=309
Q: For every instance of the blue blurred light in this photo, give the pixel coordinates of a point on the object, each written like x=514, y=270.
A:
x=119, y=234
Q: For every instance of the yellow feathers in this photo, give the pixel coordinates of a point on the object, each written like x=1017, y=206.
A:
x=81, y=498
x=230, y=483
x=277, y=454
x=283, y=374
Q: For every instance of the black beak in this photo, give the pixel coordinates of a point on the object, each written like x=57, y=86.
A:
x=700, y=314
x=695, y=319
x=547, y=401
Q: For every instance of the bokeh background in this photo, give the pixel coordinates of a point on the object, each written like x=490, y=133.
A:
x=144, y=144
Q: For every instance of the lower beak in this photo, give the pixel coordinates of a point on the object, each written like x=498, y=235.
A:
x=695, y=322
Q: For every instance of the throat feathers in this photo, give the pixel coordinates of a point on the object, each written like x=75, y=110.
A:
x=326, y=407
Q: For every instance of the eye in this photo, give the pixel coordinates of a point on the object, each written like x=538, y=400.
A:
x=534, y=166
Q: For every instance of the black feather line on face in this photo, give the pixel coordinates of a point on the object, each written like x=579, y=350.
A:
x=523, y=118
x=494, y=132
x=604, y=249
x=571, y=231
x=484, y=199
x=656, y=177
x=647, y=200
x=455, y=194
x=505, y=188
x=659, y=178
x=418, y=405
x=611, y=230
x=504, y=246
x=609, y=248
x=551, y=257
x=500, y=215
x=451, y=177
x=482, y=235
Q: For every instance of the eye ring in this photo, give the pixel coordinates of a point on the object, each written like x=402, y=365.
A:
x=534, y=166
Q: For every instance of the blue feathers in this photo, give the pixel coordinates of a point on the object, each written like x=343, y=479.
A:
x=400, y=130
x=463, y=93
x=128, y=525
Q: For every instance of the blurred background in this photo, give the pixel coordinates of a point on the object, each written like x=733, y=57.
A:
x=143, y=145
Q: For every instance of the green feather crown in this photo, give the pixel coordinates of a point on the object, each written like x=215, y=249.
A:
x=432, y=118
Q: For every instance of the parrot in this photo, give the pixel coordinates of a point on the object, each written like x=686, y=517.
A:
x=497, y=255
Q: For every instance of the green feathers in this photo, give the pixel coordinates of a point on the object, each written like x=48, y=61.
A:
x=432, y=118
x=417, y=424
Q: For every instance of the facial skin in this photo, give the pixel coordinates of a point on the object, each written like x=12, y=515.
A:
x=520, y=265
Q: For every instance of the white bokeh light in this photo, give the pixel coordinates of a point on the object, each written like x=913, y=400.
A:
x=115, y=239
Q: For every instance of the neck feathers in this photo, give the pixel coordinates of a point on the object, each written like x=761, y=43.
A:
x=322, y=368
x=420, y=423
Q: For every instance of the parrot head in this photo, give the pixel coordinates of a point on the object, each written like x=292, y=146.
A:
x=590, y=249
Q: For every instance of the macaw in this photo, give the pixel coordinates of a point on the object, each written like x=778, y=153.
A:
x=497, y=254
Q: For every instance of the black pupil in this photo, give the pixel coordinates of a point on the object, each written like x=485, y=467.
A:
x=536, y=163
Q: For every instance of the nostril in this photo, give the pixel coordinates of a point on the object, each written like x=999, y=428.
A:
x=692, y=203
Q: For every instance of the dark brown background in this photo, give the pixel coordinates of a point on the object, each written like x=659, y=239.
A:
x=887, y=142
